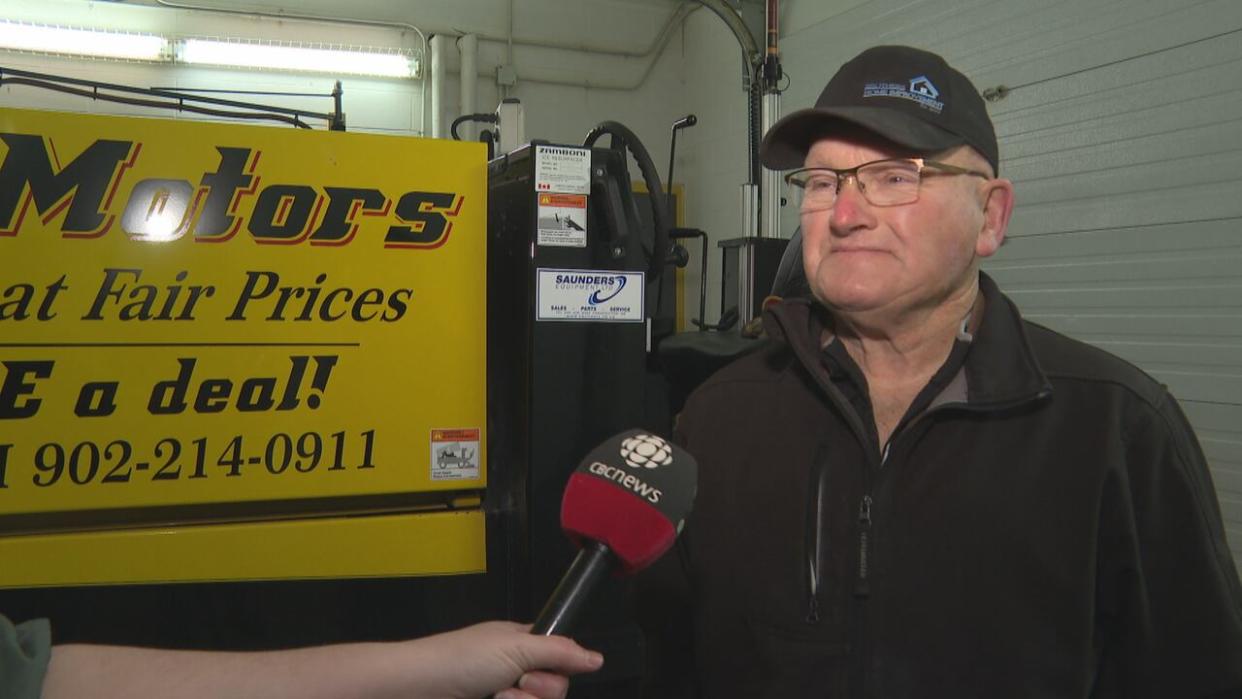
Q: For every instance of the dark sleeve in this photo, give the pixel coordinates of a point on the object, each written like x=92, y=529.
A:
x=24, y=653
x=1169, y=601
x=664, y=595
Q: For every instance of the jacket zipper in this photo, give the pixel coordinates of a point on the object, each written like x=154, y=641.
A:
x=815, y=534
x=861, y=586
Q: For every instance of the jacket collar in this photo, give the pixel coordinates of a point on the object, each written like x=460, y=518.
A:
x=1001, y=368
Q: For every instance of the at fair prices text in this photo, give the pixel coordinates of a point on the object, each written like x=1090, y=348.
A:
x=133, y=295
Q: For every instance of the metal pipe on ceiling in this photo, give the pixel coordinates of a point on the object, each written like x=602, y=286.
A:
x=468, y=47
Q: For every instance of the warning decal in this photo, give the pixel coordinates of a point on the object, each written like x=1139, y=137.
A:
x=562, y=220
x=454, y=454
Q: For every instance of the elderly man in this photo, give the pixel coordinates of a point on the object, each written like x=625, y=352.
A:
x=912, y=492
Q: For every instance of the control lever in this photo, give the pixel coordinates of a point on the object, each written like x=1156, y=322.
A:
x=682, y=234
x=727, y=320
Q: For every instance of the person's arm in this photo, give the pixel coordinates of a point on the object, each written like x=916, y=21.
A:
x=24, y=652
x=1169, y=602
x=466, y=664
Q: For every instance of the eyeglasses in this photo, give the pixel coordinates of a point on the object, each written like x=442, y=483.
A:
x=891, y=182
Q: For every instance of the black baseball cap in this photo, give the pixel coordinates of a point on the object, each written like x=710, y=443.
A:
x=905, y=95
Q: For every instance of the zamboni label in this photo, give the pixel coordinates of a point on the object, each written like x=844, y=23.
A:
x=560, y=169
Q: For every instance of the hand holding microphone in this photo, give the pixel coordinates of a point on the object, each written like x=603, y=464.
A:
x=625, y=504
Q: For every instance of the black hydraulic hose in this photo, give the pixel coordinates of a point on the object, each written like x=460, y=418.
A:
x=489, y=138
x=484, y=117
x=179, y=106
x=94, y=89
x=655, y=191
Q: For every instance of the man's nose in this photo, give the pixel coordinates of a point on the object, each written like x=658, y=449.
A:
x=850, y=210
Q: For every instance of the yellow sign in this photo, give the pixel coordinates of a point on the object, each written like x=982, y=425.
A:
x=195, y=315
x=400, y=545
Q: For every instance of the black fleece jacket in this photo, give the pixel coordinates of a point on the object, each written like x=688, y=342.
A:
x=1046, y=527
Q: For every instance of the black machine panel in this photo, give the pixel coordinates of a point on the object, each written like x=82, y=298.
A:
x=558, y=387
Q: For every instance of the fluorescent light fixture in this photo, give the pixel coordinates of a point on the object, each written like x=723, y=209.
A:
x=19, y=36
x=242, y=54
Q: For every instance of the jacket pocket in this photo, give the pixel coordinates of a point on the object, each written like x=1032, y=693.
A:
x=807, y=660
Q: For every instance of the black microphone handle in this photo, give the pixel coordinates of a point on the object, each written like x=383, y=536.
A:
x=591, y=563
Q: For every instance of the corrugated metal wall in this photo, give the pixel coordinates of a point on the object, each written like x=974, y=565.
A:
x=1122, y=131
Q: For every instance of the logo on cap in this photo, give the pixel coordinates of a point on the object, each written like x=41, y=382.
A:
x=646, y=451
x=923, y=86
x=919, y=90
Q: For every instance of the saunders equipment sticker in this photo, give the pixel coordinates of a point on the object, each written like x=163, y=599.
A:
x=197, y=314
x=584, y=295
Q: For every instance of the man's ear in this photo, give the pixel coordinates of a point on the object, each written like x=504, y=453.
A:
x=997, y=200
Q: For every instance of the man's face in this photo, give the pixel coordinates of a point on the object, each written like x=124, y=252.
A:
x=890, y=260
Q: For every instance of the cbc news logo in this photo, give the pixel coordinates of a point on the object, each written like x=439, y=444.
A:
x=646, y=451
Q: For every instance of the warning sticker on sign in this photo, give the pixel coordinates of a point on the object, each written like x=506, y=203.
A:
x=561, y=169
x=563, y=220
x=454, y=454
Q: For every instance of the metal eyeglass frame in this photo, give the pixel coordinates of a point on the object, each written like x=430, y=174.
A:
x=921, y=164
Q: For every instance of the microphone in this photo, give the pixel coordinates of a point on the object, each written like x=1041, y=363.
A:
x=624, y=505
